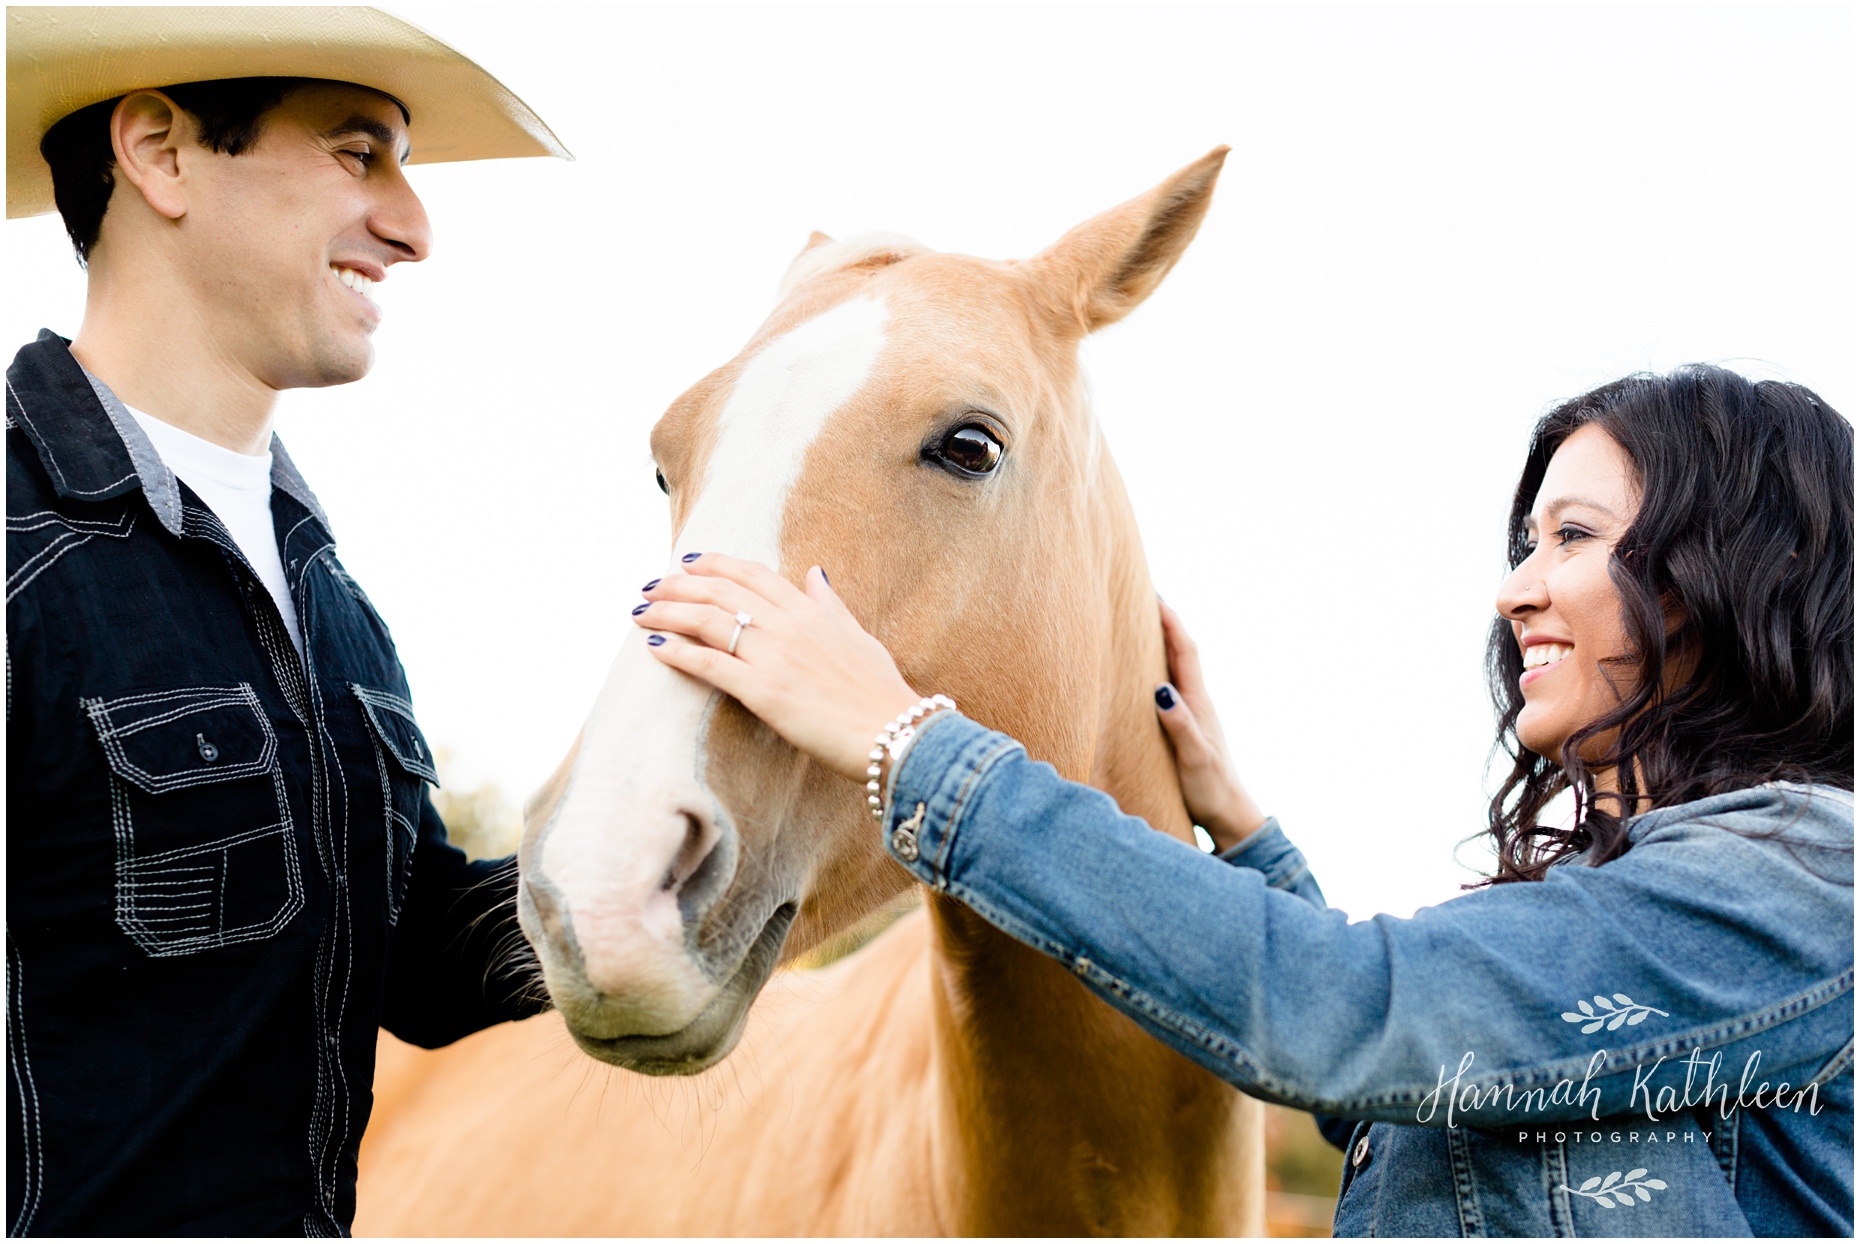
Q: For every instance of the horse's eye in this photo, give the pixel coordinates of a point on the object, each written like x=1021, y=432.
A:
x=971, y=450
x=663, y=486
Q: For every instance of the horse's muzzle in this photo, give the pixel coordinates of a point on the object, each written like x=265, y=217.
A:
x=713, y=1034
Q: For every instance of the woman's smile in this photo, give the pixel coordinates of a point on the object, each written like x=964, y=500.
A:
x=1542, y=656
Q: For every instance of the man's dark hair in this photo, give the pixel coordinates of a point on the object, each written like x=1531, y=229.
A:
x=230, y=113
x=1740, y=566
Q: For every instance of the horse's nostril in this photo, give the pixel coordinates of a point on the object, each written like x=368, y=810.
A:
x=699, y=840
x=703, y=868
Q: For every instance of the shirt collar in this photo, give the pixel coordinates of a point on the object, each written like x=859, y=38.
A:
x=159, y=485
x=94, y=449
x=285, y=476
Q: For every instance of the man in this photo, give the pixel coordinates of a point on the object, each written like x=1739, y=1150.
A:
x=223, y=868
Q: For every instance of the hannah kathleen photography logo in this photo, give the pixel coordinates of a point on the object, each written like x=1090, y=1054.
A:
x=1612, y=1012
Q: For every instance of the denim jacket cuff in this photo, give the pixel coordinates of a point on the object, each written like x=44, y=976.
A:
x=931, y=788
x=1269, y=851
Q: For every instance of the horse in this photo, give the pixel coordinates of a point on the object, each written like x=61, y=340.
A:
x=917, y=424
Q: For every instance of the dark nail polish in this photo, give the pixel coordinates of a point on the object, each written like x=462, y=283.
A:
x=1165, y=698
x=639, y=609
x=655, y=640
x=823, y=577
x=690, y=557
x=650, y=586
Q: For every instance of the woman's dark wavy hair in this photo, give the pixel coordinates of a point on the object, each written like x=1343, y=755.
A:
x=1745, y=537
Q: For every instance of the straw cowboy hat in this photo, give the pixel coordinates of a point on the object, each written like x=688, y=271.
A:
x=61, y=59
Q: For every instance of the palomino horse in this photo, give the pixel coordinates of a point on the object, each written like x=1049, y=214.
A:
x=917, y=424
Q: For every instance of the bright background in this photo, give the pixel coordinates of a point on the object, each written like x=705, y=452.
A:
x=1435, y=223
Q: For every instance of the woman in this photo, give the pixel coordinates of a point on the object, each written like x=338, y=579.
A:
x=1644, y=1023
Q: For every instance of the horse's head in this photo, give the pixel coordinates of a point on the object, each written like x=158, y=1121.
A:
x=916, y=424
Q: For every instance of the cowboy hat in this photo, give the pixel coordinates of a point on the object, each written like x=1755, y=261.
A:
x=61, y=59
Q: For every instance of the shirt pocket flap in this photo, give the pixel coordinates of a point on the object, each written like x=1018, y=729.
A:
x=170, y=740
x=392, y=721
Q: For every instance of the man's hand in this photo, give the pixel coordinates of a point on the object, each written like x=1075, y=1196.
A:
x=1215, y=798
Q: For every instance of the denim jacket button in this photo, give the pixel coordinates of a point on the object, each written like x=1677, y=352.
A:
x=208, y=752
x=1362, y=1152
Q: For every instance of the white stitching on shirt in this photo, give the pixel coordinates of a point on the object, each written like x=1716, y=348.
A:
x=422, y=766
x=291, y=674
x=118, y=526
x=333, y=1106
x=79, y=533
x=21, y=1060
x=173, y=902
x=192, y=700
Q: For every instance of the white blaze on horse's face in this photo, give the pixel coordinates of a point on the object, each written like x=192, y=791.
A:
x=641, y=844
x=666, y=864
x=778, y=405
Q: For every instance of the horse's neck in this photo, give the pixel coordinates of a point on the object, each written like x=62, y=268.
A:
x=1132, y=761
x=1058, y=1114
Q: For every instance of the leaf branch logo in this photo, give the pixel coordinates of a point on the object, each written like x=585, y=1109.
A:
x=1614, y=1013
x=1613, y=1190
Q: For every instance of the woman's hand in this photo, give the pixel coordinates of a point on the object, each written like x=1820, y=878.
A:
x=1215, y=798
x=804, y=665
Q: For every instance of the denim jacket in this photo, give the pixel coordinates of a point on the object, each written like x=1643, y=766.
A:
x=223, y=869
x=1659, y=1046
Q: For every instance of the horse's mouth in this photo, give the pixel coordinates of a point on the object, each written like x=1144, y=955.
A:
x=704, y=1041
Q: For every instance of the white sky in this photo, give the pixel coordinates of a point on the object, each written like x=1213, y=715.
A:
x=1434, y=224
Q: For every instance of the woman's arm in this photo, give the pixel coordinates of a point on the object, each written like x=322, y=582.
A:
x=1720, y=943
x=1371, y=1019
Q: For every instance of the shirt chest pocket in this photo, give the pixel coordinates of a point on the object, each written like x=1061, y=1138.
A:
x=405, y=764
x=206, y=854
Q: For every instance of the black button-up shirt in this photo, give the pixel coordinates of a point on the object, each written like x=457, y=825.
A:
x=223, y=869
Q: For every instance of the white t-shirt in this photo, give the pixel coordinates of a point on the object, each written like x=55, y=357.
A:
x=237, y=488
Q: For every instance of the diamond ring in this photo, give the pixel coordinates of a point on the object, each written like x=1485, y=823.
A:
x=742, y=620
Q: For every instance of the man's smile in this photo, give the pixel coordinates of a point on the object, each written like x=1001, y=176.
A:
x=362, y=284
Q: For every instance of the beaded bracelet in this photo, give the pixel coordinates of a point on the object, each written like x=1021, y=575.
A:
x=896, y=731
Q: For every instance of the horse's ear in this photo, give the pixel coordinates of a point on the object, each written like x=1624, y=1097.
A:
x=1101, y=270
x=822, y=255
